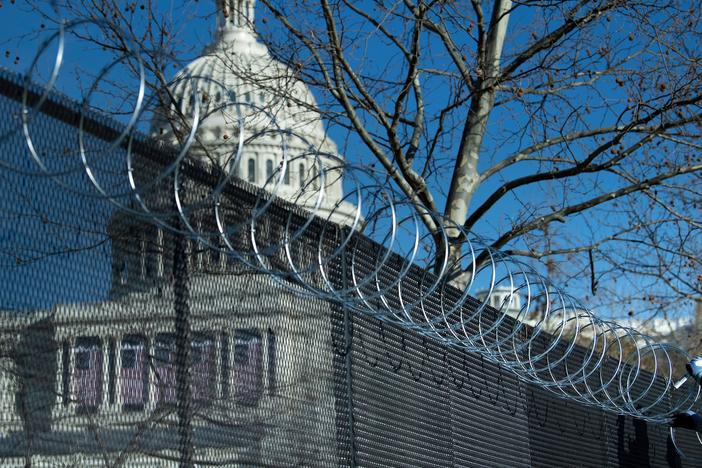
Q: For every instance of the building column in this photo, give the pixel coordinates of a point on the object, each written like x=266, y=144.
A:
x=160, y=262
x=105, y=351
x=152, y=381
x=118, y=378
x=11, y=420
x=68, y=409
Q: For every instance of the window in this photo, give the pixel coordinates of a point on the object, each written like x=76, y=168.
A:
x=134, y=373
x=302, y=175
x=164, y=368
x=162, y=355
x=203, y=368
x=248, y=367
x=196, y=355
x=123, y=272
x=252, y=170
x=83, y=360
x=286, y=176
x=241, y=353
x=128, y=358
x=232, y=95
x=87, y=374
x=269, y=169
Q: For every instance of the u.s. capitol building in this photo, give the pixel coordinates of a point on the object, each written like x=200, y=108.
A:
x=95, y=384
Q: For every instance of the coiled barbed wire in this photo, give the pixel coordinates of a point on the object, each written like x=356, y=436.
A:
x=375, y=251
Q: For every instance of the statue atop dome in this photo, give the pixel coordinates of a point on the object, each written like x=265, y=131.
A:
x=237, y=13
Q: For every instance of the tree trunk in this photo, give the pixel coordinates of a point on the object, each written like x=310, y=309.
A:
x=464, y=181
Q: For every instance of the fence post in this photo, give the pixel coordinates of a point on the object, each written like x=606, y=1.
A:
x=183, y=358
x=348, y=357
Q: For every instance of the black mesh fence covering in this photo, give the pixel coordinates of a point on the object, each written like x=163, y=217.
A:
x=123, y=344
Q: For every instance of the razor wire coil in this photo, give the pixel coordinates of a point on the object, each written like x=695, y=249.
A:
x=567, y=349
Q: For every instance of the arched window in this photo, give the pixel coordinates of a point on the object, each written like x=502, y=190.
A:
x=269, y=169
x=252, y=170
x=302, y=175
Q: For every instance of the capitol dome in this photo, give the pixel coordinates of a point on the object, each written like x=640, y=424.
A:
x=237, y=80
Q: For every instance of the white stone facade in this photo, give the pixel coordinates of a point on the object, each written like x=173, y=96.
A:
x=291, y=420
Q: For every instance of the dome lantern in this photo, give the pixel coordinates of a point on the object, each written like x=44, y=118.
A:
x=236, y=14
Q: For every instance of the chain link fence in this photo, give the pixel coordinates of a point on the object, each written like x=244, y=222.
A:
x=125, y=344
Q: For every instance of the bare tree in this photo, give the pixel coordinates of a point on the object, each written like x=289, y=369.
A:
x=584, y=114
x=576, y=118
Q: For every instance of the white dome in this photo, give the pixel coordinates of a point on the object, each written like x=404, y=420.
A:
x=237, y=68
